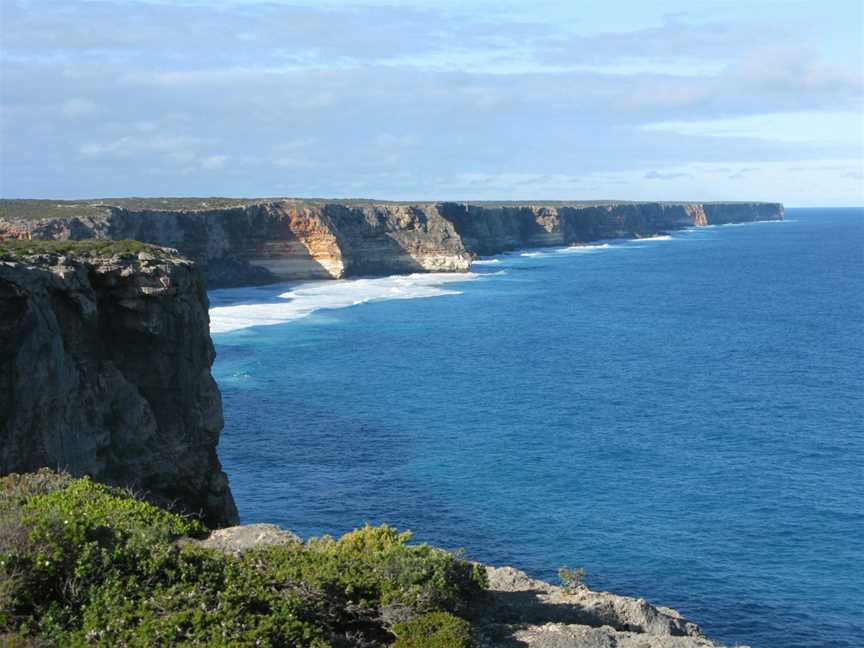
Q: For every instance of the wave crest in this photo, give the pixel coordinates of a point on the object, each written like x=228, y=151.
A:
x=277, y=305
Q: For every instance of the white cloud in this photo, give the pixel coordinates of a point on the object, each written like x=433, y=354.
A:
x=390, y=142
x=294, y=144
x=131, y=145
x=836, y=127
x=78, y=107
x=659, y=175
x=287, y=162
x=212, y=162
x=680, y=93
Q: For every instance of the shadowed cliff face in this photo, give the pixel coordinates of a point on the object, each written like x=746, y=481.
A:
x=294, y=239
x=105, y=370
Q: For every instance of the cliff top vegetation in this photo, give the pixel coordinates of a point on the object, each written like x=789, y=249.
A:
x=15, y=248
x=25, y=209
x=85, y=564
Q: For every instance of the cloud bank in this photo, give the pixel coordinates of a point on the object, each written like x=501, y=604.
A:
x=422, y=102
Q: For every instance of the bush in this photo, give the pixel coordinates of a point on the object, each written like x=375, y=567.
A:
x=571, y=579
x=434, y=630
x=85, y=564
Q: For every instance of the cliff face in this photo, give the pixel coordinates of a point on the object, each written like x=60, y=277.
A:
x=105, y=370
x=490, y=230
x=397, y=239
x=295, y=239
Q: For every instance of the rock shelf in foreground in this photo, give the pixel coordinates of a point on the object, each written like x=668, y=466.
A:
x=521, y=612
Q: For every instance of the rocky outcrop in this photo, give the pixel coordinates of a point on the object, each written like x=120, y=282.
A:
x=521, y=612
x=524, y=612
x=238, y=539
x=260, y=242
x=105, y=370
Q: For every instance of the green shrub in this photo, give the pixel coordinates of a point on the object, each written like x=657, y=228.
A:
x=376, y=564
x=85, y=564
x=434, y=630
x=571, y=579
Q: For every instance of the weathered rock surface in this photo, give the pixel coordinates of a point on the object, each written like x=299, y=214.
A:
x=257, y=242
x=237, y=539
x=522, y=611
x=105, y=370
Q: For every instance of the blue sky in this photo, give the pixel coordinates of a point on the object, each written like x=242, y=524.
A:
x=668, y=99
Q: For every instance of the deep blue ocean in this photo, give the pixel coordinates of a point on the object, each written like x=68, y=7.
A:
x=683, y=417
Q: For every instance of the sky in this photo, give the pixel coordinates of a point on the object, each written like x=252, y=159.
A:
x=426, y=100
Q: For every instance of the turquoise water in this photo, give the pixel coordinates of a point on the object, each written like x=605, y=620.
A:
x=681, y=417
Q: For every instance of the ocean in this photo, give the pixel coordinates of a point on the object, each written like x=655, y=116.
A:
x=682, y=417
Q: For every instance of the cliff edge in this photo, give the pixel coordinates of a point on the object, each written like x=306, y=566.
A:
x=243, y=242
x=105, y=359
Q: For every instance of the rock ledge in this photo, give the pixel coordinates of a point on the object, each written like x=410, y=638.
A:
x=521, y=612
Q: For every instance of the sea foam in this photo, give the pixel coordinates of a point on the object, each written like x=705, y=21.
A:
x=247, y=307
x=584, y=248
x=659, y=237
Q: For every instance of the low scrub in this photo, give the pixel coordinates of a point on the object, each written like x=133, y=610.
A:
x=434, y=630
x=11, y=248
x=84, y=564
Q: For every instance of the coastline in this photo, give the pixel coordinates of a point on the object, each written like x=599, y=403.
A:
x=253, y=242
x=282, y=302
x=551, y=631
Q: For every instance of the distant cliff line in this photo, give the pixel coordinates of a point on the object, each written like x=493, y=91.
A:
x=243, y=242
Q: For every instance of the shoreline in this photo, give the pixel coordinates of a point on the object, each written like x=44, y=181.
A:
x=256, y=242
x=288, y=301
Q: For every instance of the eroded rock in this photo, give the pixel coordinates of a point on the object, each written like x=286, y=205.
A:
x=105, y=371
x=522, y=611
x=237, y=539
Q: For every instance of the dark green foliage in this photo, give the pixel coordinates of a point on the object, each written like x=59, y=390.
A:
x=11, y=248
x=434, y=630
x=85, y=564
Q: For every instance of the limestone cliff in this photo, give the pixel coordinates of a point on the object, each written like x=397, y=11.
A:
x=105, y=370
x=246, y=242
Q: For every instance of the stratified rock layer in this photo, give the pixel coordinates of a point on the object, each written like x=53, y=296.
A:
x=105, y=370
x=257, y=242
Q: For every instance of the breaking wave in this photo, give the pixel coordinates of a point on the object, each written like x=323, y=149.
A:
x=240, y=308
x=584, y=248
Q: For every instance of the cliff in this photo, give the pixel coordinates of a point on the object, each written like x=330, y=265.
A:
x=105, y=359
x=241, y=242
